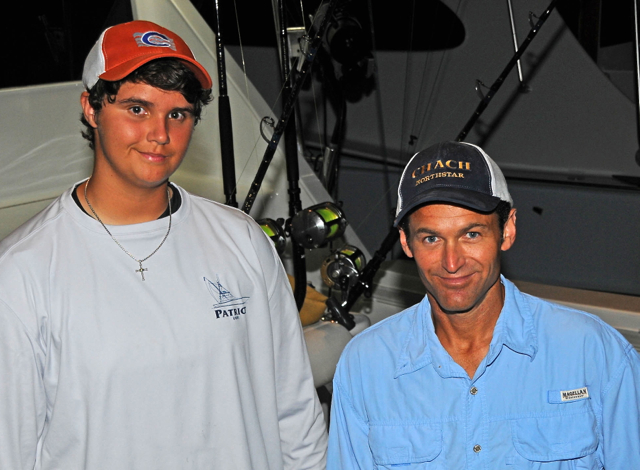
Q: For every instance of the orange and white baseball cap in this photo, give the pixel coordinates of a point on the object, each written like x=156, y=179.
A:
x=123, y=48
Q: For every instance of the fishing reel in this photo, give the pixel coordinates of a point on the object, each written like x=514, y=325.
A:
x=310, y=228
x=346, y=53
x=341, y=271
x=318, y=225
x=346, y=40
x=275, y=231
x=342, y=268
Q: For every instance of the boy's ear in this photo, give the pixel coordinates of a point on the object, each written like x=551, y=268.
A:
x=87, y=110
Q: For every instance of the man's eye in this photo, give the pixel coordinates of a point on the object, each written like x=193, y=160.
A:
x=431, y=239
x=473, y=235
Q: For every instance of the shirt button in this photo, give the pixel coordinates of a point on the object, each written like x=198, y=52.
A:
x=473, y=390
x=477, y=448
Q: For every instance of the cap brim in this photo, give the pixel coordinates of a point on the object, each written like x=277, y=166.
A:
x=467, y=198
x=122, y=70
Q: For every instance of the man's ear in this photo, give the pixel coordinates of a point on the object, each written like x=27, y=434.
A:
x=509, y=231
x=405, y=244
x=88, y=111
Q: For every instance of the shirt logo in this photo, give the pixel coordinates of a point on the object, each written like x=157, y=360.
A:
x=154, y=39
x=226, y=304
x=577, y=394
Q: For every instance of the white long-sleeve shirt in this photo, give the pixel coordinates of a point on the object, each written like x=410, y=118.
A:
x=201, y=365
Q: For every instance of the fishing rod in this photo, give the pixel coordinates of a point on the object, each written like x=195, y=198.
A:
x=224, y=121
x=293, y=171
x=332, y=152
x=500, y=80
x=339, y=311
x=298, y=82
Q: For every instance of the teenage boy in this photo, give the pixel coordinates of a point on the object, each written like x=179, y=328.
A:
x=143, y=327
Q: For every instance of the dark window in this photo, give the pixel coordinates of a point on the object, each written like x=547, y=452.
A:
x=46, y=41
x=616, y=24
x=598, y=24
x=434, y=25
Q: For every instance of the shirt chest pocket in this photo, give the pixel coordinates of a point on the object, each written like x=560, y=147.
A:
x=567, y=441
x=406, y=446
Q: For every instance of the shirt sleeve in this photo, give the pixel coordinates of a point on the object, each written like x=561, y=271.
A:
x=621, y=415
x=348, y=436
x=22, y=396
x=303, y=433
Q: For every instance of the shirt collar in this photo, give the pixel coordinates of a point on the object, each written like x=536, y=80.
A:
x=514, y=330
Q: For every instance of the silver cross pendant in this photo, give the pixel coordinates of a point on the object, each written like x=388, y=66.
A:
x=141, y=270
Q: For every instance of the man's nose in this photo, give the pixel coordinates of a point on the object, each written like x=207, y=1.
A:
x=452, y=257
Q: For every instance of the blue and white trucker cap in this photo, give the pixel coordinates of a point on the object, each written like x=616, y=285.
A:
x=454, y=172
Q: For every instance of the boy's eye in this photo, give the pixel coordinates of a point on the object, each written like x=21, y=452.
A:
x=176, y=115
x=136, y=109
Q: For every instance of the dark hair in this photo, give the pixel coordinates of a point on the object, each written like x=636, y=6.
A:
x=502, y=210
x=167, y=74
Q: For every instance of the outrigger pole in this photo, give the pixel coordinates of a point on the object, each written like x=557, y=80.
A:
x=224, y=121
x=365, y=280
x=288, y=107
x=293, y=171
x=636, y=27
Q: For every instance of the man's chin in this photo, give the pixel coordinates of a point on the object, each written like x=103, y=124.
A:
x=455, y=309
x=451, y=307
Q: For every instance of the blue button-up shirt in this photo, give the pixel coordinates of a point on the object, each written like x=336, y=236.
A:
x=559, y=389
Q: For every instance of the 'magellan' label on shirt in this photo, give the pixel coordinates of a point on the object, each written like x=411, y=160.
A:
x=577, y=394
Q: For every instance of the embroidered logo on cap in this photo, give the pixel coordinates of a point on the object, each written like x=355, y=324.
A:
x=577, y=394
x=154, y=39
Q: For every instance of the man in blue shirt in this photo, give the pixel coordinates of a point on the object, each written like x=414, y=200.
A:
x=479, y=375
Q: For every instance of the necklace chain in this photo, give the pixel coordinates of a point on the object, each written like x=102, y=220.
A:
x=141, y=270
